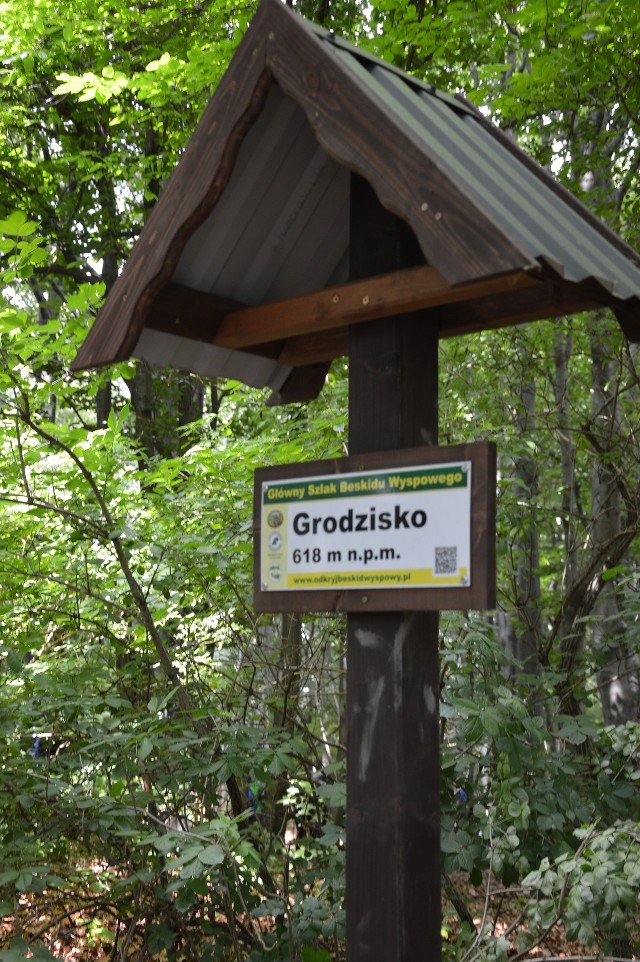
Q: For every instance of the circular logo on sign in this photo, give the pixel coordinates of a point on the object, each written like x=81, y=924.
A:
x=275, y=541
x=275, y=519
x=275, y=572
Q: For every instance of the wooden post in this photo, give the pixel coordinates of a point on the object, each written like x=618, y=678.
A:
x=393, y=759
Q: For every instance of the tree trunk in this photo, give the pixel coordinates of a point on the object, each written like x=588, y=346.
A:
x=571, y=631
x=162, y=406
x=285, y=713
x=521, y=632
x=619, y=676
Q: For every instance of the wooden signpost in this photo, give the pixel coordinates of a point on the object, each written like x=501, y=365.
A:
x=393, y=747
x=390, y=538
x=284, y=193
x=392, y=534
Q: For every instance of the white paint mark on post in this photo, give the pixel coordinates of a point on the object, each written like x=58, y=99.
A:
x=430, y=699
x=374, y=696
x=368, y=639
x=398, y=648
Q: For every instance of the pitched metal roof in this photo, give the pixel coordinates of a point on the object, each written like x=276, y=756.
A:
x=242, y=269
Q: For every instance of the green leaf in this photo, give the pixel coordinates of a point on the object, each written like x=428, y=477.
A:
x=21, y=950
x=160, y=938
x=157, y=64
x=310, y=954
x=211, y=855
x=17, y=224
x=69, y=85
x=449, y=843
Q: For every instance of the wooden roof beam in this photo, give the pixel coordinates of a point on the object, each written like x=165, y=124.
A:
x=197, y=315
x=336, y=307
x=545, y=300
x=313, y=328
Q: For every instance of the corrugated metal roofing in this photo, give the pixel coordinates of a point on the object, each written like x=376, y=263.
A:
x=522, y=206
x=280, y=226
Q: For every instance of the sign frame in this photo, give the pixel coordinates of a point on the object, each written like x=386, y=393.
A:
x=480, y=594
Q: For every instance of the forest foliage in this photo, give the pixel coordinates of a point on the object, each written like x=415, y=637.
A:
x=172, y=766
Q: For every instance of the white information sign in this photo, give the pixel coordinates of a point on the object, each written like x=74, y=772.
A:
x=392, y=528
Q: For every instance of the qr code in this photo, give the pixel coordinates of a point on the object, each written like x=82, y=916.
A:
x=446, y=560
